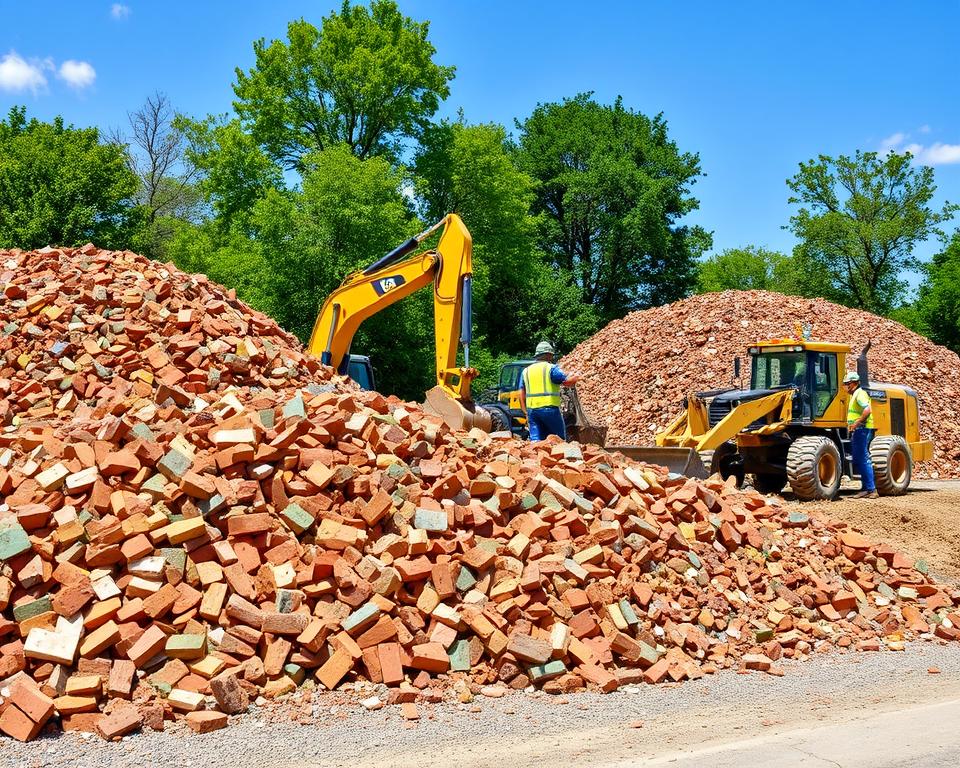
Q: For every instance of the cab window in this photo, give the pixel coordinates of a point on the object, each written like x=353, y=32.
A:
x=778, y=370
x=510, y=377
x=360, y=373
x=824, y=381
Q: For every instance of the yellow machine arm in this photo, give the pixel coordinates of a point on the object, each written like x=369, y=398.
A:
x=392, y=278
x=691, y=428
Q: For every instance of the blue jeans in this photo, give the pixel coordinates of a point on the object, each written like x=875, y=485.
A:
x=860, y=448
x=543, y=422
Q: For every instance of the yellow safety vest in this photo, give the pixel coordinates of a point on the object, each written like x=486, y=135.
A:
x=540, y=389
x=858, y=401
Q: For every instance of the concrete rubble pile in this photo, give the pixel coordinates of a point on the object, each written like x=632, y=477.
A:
x=651, y=360
x=164, y=558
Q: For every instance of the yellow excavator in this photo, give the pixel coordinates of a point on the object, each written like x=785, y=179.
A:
x=393, y=277
x=790, y=425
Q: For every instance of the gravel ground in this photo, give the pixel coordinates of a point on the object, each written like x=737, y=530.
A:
x=528, y=728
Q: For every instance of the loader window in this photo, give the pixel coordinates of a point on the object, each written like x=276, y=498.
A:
x=824, y=381
x=510, y=377
x=778, y=370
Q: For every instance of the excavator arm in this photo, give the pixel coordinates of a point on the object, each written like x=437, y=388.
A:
x=394, y=277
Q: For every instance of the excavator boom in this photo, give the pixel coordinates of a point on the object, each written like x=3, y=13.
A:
x=394, y=277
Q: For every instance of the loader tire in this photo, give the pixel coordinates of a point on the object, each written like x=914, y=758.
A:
x=769, y=482
x=892, y=464
x=499, y=420
x=814, y=468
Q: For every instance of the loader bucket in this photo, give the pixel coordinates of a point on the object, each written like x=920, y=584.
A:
x=456, y=414
x=680, y=461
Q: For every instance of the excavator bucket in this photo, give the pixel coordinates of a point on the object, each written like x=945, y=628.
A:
x=456, y=414
x=680, y=461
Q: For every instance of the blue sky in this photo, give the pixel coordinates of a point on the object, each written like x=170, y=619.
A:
x=754, y=87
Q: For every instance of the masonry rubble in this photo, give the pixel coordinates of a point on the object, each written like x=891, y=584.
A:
x=654, y=358
x=175, y=548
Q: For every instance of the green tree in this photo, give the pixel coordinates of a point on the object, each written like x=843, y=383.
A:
x=748, y=268
x=518, y=296
x=937, y=309
x=859, y=222
x=349, y=213
x=611, y=189
x=233, y=172
x=61, y=185
x=366, y=79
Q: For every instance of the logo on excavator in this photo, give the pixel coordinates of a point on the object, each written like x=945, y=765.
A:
x=387, y=284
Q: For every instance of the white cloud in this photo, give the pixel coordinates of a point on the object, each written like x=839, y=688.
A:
x=937, y=153
x=77, y=74
x=941, y=154
x=892, y=142
x=17, y=74
x=119, y=11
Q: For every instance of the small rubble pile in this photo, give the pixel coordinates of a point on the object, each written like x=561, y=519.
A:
x=166, y=557
x=79, y=325
x=639, y=370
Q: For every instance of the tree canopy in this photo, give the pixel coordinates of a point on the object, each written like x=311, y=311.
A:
x=748, y=268
x=611, y=190
x=366, y=79
x=61, y=185
x=860, y=219
x=938, y=304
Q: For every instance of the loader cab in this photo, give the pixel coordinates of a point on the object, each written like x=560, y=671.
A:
x=812, y=369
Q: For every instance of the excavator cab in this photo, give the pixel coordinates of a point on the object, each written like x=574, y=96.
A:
x=360, y=369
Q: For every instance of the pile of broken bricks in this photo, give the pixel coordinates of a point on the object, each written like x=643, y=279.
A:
x=80, y=325
x=163, y=559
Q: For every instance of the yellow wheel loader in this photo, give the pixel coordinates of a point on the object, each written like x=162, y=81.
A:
x=790, y=425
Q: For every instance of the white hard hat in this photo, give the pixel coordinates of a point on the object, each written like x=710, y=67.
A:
x=544, y=348
x=851, y=376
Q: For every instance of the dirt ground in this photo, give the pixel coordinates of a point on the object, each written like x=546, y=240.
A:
x=924, y=523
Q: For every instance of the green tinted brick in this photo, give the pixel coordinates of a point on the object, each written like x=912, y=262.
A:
x=295, y=672
x=459, y=656
x=29, y=610
x=430, y=519
x=174, y=465
x=295, y=408
x=361, y=618
x=465, y=579
x=186, y=646
x=13, y=541
x=540, y=673
x=176, y=558
x=297, y=517
x=144, y=432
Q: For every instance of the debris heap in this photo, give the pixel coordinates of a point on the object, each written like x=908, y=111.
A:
x=639, y=370
x=163, y=559
x=84, y=324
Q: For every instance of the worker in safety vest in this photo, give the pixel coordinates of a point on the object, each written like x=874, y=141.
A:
x=861, y=430
x=540, y=394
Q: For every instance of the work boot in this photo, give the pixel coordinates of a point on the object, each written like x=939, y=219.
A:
x=865, y=495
